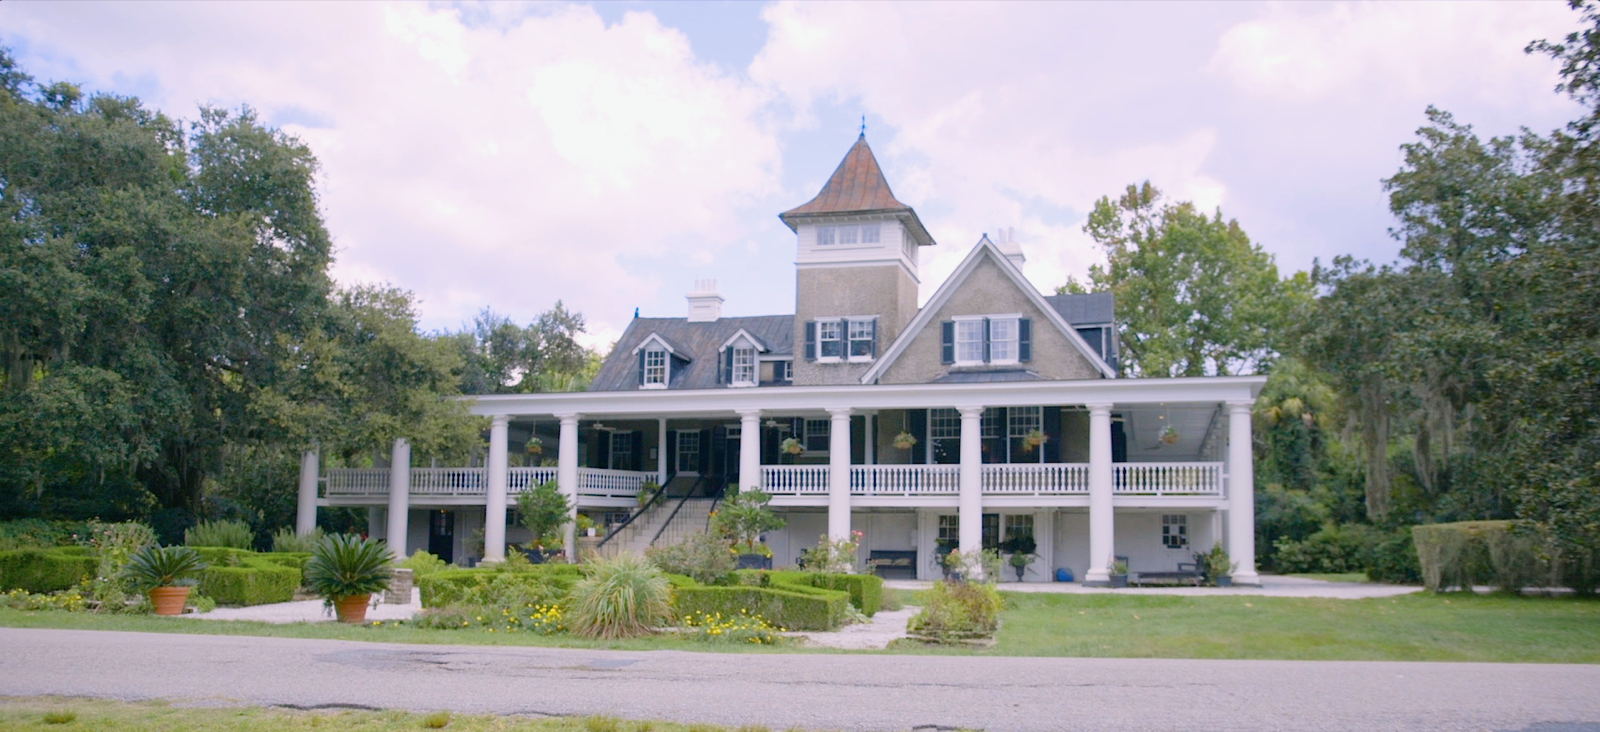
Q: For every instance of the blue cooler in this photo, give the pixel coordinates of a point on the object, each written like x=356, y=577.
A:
x=1063, y=574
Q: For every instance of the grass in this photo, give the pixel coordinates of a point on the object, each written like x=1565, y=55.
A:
x=1417, y=627
x=1334, y=577
x=18, y=713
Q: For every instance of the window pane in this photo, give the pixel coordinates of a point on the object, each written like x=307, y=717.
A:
x=944, y=423
x=830, y=339
x=1003, y=339
x=744, y=365
x=861, y=338
x=969, y=341
x=991, y=423
x=817, y=434
x=869, y=233
x=847, y=234
x=824, y=236
x=655, y=367
x=1024, y=420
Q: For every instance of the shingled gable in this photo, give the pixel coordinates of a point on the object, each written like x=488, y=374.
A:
x=985, y=248
x=857, y=187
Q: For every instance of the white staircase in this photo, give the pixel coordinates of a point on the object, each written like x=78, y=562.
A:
x=690, y=520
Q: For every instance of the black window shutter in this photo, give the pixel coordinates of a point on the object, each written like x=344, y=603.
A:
x=603, y=445
x=1052, y=431
x=985, y=340
x=948, y=328
x=672, y=452
x=641, y=368
x=1025, y=339
x=727, y=365
x=705, y=451
x=917, y=425
x=811, y=340
x=638, y=450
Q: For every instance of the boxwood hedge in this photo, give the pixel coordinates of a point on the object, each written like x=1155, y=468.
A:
x=866, y=590
x=243, y=577
x=489, y=585
x=45, y=570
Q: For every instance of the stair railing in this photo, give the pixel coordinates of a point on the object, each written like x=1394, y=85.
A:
x=661, y=492
x=675, y=509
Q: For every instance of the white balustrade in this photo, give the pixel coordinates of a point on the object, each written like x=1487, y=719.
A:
x=1167, y=479
x=794, y=479
x=905, y=480
x=447, y=481
x=522, y=479
x=614, y=483
x=358, y=482
x=1036, y=479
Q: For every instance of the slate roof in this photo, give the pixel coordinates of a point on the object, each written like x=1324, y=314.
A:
x=699, y=342
x=857, y=186
x=1092, y=309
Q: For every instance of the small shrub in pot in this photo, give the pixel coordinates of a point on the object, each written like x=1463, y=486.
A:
x=166, y=574
x=346, y=570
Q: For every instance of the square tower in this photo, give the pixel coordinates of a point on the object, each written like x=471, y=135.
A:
x=855, y=271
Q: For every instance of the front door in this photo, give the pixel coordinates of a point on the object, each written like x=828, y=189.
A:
x=442, y=535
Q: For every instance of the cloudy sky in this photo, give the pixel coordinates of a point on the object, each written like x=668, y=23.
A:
x=507, y=156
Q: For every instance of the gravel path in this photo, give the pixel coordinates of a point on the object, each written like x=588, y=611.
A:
x=814, y=691
x=310, y=611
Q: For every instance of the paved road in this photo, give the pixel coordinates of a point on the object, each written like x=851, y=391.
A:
x=854, y=692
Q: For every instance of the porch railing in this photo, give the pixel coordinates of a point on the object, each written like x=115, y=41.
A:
x=522, y=479
x=474, y=481
x=1036, y=479
x=611, y=483
x=780, y=480
x=447, y=481
x=1167, y=479
x=904, y=480
x=358, y=482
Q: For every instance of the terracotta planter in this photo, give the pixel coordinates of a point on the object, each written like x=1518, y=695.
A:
x=169, y=600
x=352, y=609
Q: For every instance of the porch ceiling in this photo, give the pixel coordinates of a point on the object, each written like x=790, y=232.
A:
x=1145, y=423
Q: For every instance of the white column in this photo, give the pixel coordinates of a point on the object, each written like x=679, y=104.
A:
x=1043, y=568
x=494, y=513
x=399, y=496
x=839, y=474
x=1241, y=495
x=374, y=521
x=567, y=477
x=1102, y=542
x=971, y=500
x=306, y=517
x=750, y=449
x=661, y=451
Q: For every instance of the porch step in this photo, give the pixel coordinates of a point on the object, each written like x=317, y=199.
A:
x=691, y=520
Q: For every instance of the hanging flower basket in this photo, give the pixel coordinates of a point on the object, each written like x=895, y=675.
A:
x=1170, y=436
x=905, y=441
x=535, y=446
x=1035, y=438
x=793, y=446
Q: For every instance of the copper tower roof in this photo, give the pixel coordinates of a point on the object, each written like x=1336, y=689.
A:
x=857, y=186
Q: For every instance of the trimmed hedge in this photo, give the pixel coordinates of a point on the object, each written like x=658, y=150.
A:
x=45, y=570
x=449, y=586
x=866, y=590
x=794, y=607
x=1468, y=553
x=244, y=577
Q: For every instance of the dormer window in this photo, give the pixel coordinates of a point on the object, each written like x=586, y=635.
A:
x=738, y=362
x=848, y=235
x=744, y=366
x=655, y=369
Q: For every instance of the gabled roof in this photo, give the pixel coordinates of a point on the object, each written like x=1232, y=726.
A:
x=757, y=342
x=857, y=187
x=985, y=248
x=658, y=338
x=696, y=343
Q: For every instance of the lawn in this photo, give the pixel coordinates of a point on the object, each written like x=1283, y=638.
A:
x=1419, y=627
x=35, y=713
x=1334, y=577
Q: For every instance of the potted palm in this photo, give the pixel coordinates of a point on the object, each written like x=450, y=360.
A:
x=345, y=570
x=1219, y=567
x=166, y=574
x=1119, y=572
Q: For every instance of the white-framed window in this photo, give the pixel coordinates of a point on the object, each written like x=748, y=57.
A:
x=992, y=424
x=861, y=339
x=1022, y=420
x=950, y=531
x=689, y=452
x=944, y=424
x=783, y=370
x=818, y=434
x=1002, y=340
x=1175, y=531
x=744, y=365
x=969, y=341
x=655, y=368
x=622, y=451
x=830, y=339
x=848, y=234
x=1018, y=525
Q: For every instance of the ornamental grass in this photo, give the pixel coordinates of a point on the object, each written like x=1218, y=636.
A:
x=623, y=597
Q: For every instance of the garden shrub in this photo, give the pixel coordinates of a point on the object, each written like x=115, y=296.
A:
x=71, y=600
x=957, y=611
x=543, y=584
x=255, y=580
x=796, y=607
x=623, y=596
x=422, y=564
x=287, y=539
x=46, y=570
x=701, y=557
x=41, y=533
x=232, y=534
x=534, y=618
x=1392, y=558
x=866, y=590
x=1332, y=549
x=743, y=627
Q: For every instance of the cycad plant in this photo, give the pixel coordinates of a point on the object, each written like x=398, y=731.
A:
x=346, y=565
x=623, y=596
x=157, y=566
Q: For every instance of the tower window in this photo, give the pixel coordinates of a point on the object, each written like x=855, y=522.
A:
x=849, y=234
x=861, y=339
x=830, y=339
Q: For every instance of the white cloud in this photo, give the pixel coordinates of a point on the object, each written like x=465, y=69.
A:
x=507, y=164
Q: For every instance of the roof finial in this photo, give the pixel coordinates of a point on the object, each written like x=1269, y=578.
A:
x=863, y=125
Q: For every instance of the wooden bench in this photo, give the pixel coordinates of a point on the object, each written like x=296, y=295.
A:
x=1188, y=573
x=893, y=564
